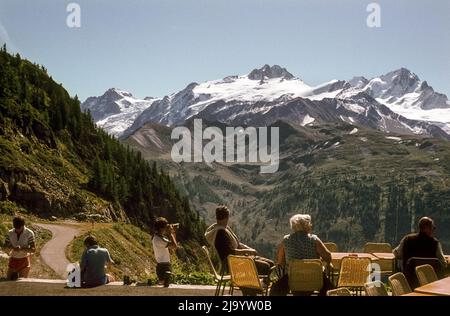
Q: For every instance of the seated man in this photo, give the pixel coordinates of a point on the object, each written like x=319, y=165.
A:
x=21, y=241
x=422, y=245
x=93, y=263
x=225, y=241
x=300, y=244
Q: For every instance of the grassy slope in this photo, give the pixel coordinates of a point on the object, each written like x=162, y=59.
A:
x=59, y=173
x=131, y=250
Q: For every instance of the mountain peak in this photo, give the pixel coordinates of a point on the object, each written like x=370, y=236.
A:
x=270, y=72
x=117, y=93
x=402, y=74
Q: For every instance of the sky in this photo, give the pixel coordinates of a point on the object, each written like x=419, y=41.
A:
x=157, y=47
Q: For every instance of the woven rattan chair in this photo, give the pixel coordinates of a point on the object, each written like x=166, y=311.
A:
x=354, y=272
x=425, y=274
x=244, y=274
x=220, y=279
x=399, y=284
x=386, y=266
x=343, y=291
x=305, y=276
x=331, y=246
x=375, y=288
x=372, y=247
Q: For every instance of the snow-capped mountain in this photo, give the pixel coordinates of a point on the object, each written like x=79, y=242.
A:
x=405, y=94
x=115, y=110
x=271, y=92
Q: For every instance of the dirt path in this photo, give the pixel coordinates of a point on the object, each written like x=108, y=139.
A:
x=54, y=252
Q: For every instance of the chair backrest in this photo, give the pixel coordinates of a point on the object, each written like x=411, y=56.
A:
x=412, y=263
x=399, y=284
x=425, y=274
x=375, y=288
x=372, y=247
x=211, y=265
x=305, y=275
x=354, y=272
x=331, y=246
x=343, y=291
x=243, y=272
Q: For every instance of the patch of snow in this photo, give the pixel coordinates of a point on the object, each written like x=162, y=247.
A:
x=393, y=138
x=307, y=120
x=414, y=113
x=353, y=131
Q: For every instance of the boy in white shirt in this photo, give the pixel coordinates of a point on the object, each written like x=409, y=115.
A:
x=163, y=240
x=22, y=244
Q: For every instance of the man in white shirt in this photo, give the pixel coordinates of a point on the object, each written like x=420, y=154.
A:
x=22, y=244
x=163, y=240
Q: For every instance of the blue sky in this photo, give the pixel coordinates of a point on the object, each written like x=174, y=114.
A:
x=153, y=48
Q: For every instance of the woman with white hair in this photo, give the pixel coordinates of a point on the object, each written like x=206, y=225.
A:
x=300, y=244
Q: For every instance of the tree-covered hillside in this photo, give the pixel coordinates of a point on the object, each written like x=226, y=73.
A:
x=55, y=162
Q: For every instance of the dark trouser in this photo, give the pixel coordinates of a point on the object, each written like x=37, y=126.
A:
x=281, y=287
x=163, y=270
x=263, y=265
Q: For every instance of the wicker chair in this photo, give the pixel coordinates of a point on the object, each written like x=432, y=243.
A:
x=343, y=291
x=244, y=275
x=375, y=288
x=399, y=284
x=220, y=279
x=331, y=246
x=372, y=247
x=386, y=266
x=354, y=272
x=425, y=274
x=305, y=276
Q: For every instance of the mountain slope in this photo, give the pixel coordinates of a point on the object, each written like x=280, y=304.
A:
x=359, y=184
x=54, y=161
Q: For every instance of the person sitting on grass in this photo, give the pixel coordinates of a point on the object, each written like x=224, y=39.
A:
x=163, y=240
x=93, y=263
x=22, y=244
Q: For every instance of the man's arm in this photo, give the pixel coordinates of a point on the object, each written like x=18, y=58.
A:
x=109, y=260
x=440, y=255
x=173, y=245
x=243, y=252
x=31, y=244
x=398, y=251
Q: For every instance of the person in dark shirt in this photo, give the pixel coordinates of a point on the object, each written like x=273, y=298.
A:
x=226, y=243
x=422, y=245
